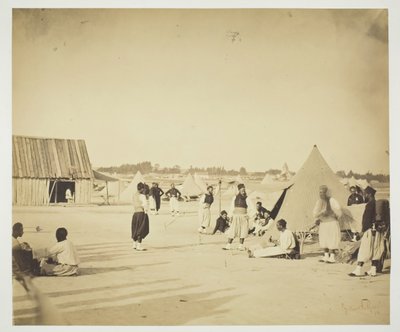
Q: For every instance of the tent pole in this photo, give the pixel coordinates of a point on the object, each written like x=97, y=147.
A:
x=108, y=203
x=219, y=192
x=56, y=193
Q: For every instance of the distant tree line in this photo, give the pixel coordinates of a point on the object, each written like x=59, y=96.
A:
x=146, y=167
x=368, y=176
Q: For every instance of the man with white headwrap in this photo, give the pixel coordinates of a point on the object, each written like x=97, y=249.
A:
x=327, y=211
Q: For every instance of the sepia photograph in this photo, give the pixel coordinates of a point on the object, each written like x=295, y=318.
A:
x=200, y=167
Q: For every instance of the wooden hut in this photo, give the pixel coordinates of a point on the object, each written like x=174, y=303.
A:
x=46, y=170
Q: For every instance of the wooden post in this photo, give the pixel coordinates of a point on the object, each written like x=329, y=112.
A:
x=51, y=191
x=108, y=203
x=219, y=192
x=55, y=198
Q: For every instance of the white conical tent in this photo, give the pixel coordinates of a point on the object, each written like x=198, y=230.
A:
x=127, y=194
x=362, y=183
x=239, y=179
x=114, y=189
x=299, y=200
x=200, y=182
x=190, y=188
x=352, y=182
x=268, y=179
x=285, y=174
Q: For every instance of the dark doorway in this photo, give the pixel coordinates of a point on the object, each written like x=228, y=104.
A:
x=58, y=190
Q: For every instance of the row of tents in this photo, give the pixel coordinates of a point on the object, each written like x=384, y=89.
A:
x=292, y=200
x=116, y=189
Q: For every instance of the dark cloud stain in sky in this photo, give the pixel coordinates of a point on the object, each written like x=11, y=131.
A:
x=379, y=28
x=35, y=23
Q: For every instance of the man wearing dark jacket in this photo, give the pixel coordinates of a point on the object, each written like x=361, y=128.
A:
x=156, y=193
x=373, y=239
x=174, y=195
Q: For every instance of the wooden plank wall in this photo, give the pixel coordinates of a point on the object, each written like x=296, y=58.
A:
x=83, y=191
x=30, y=191
x=35, y=192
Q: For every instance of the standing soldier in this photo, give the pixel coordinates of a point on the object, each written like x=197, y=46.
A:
x=155, y=197
x=327, y=211
x=174, y=195
x=373, y=238
x=140, y=219
x=242, y=209
x=205, y=212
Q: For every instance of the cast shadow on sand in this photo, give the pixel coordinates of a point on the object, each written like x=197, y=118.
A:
x=97, y=270
x=101, y=244
x=171, y=310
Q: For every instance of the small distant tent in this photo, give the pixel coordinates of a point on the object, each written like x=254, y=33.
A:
x=297, y=202
x=112, y=190
x=239, y=179
x=112, y=186
x=285, y=174
x=268, y=179
x=127, y=194
x=268, y=199
x=189, y=188
x=200, y=182
x=362, y=183
x=352, y=182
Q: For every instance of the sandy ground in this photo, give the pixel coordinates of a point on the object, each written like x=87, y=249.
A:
x=187, y=279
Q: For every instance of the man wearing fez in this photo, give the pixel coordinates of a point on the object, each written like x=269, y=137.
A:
x=241, y=209
x=174, y=195
x=373, y=239
x=205, y=209
x=155, y=197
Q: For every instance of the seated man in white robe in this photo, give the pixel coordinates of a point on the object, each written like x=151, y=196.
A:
x=63, y=259
x=286, y=243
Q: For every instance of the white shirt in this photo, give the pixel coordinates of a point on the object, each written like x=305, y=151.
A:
x=65, y=253
x=286, y=240
x=68, y=194
x=321, y=205
x=145, y=202
x=15, y=243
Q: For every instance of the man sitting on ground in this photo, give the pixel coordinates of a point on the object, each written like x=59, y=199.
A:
x=287, y=243
x=355, y=197
x=222, y=223
x=262, y=221
x=63, y=259
x=21, y=251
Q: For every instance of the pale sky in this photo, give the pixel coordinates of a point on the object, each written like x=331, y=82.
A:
x=252, y=88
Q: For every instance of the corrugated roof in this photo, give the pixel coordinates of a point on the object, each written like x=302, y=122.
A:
x=50, y=158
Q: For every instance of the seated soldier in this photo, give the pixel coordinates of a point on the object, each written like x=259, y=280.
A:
x=355, y=197
x=21, y=252
x=285, y=245
x=222, y=222
x=262, y=220
x=63, y=259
